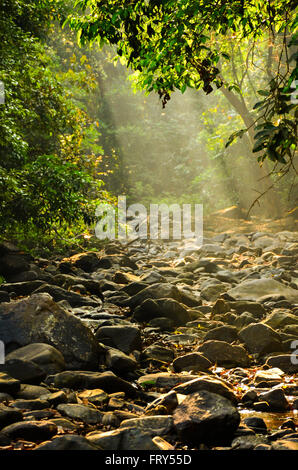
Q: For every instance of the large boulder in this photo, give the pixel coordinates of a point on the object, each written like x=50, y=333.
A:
x=107, y=381
x=162, y=291
x=167, y=308
x=38, y=319
x=74, y=299
x=207, y=418
x=224, y=354
x=127, y=338
x=262, y=289
x=46, y=356
x=261, y=339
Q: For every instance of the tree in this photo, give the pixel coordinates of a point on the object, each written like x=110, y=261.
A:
x=43, y=171
x=178, y=44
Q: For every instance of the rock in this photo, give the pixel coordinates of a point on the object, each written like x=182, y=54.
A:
x=125, y=338
x=164, y=379
x=5, y=397
x=212, y=292
x=25, y=371
x=248, y=442
x=261, y=406
x=164, y=323
x=284, y=362
x=284, y=444
x=156, y=291
x=276, y=399
x=13, y=263
x=271, y=376
x=256, y=423
x=22, y=288
x=255, y=308
x=63, y=423
x=134, y=288
x=88, y=262
x=126, y=278
x=84, y=413
x=119, y=362
x=260, y=339
x=74, y=299
x=168, y=308
x=9, y=384
x=167, y=402
x=8, y=416
x=106, y=381
x=152, y=277
x=55, y=398
x=36, y=404
x=224, y=354
x=68, y=442
x=192, y=362
x=128, y=439
x=222, y=333
x=47, y=357
x=208, y=265
x=160, y=353
x=281, y=319
x=30, y=392
x=154, y=425
x=96, y=396
x=33, y=431
x=208, y=384
x=67, y=281
x=162, y=444
x=205, y=417
x=259, y=290
x=39, y=319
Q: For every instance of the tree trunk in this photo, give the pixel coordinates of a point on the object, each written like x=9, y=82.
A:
x=270, y=202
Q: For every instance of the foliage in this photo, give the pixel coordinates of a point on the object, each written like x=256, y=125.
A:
x=179, y=44
x=45, y=176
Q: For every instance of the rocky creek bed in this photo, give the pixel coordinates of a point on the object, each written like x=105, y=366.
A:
x=152, y=346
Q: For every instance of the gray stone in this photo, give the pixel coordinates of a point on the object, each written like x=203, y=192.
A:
x=168, y=308
x=107, y=381
x=284, y=362
x=34, y=431
x=68, y=443
x=38, y=319
x=120, y=362
x=154, y=425
x=207, y=418
x=261, y=339
x=84, y=413
x=260, y=289
x=8, y=416
x=276, y=399
x=160, y=353
x=9, y=384
x=128, y=439
x=46, y=356
x=224, y=354
x=192, y=362
x=208, y=384
x=223, y=333
x=125, y=338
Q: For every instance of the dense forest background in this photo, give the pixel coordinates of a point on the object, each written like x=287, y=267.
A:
x=76, y=129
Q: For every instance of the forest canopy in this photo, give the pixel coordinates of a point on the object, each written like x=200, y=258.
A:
x=179, y=44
